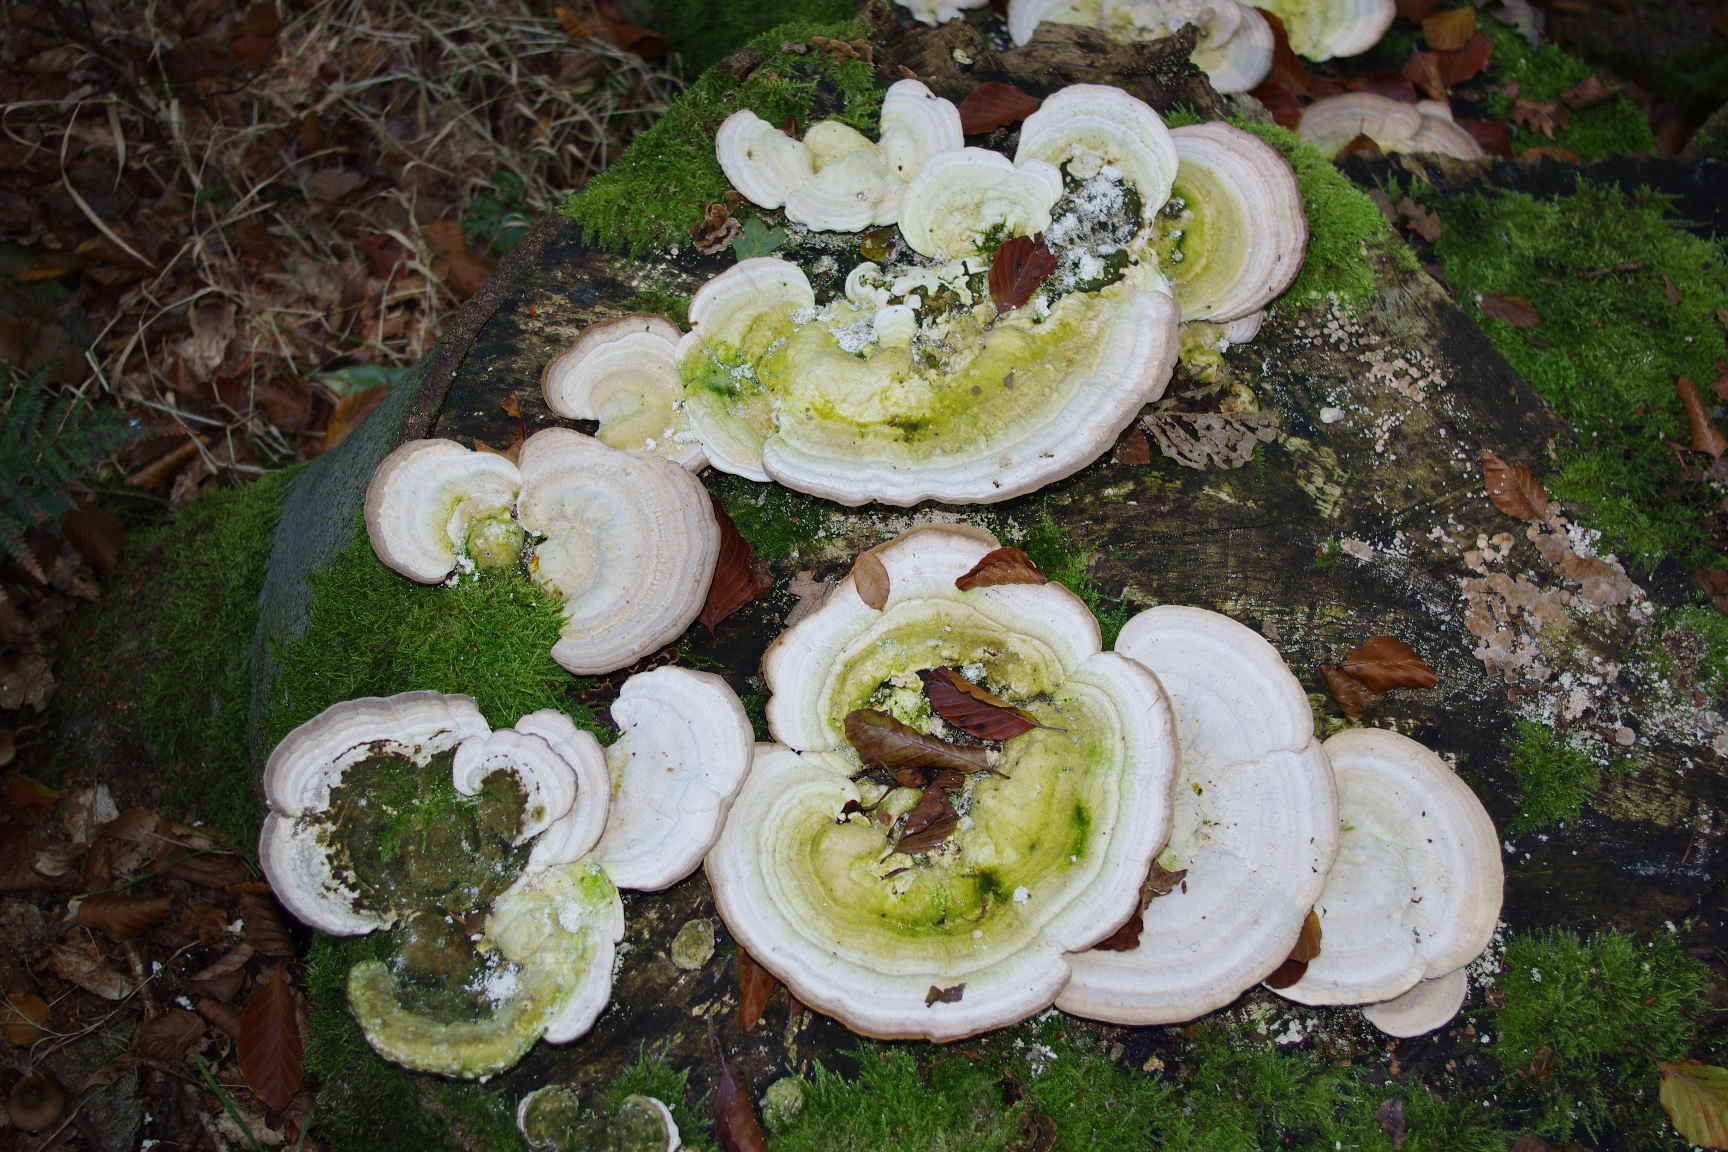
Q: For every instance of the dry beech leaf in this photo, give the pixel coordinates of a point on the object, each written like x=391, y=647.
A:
x=1544, y=116
x=1494, y=135
x=1550, y=152
x=265, y=930
x=1714, y=582
x=121, y=917
x=871, y=579
x=739, y=575
x=1587, y=92
x=350, y=411
x=1424, y=223
x=973, y=710
x=1695, y=1096
x=929, y=822
x=1385, y=662
x=735, y=1124
x=1513, y=310
x=233, y=961
x=883, y=742
x=22, y=1017
x=1467, y=62
x=1450, y=30
x=270, y=1050
x=755, y=985
x=1019, y=267
x=1360, y=143
x=1125, y=938
x=80, y=961
x=25, y=792
x=995, y=105
x=1512, y=488
x=950, y=995
x=1003, y=565
x=220, y=1015
x=1347, y=691
x=461, y=271
x=1423, y=70
x=166, y=1038
x=1706, y=437
x=1307, y=947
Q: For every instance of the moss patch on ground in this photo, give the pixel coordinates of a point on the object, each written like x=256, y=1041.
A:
x=184, y=655
x=1554, y=778
x=652, y=196
x=1597, y=1012
x=704, y=33
x=1070, y=565
x=1608, y=348
x=1610, y=128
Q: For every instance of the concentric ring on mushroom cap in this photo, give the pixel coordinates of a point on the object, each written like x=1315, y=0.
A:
x=629, y=546
x=1255, y=826
x=570, y=837
x=1322, y=29
x=1415, y=891
x=623, y=373
x=1085, y=127
x=1244, y=240
x=1067, y=834
x=423, y=496
x=959, y=197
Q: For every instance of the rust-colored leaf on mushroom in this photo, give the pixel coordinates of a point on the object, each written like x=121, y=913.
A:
x=1018, y=268
x=1004, y=565
x=974, y=710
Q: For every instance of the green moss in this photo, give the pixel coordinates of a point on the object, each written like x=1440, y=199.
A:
x=1554, y=778
x=653, y=195
x=651, y=1075
x=672, y=305
x=1607, y=129
x=1608, y=347
x=1070, y=565
x=778, y=522
x=902, y=1098
x=174, y=637
x=1691, y=653
x=1603, y=1009
x=704, y=33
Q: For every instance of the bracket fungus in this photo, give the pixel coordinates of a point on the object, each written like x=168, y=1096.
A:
x=939, y=11
x=1322, y=29
x=961, y=196
x=914, y=881
x=1235, y=43
x=836, y=179
x=628, y=542
x=1255, y=826
x=622, y=373
x=1395, y=126
x=551, y=1118
x=408, y=813
x=1415, y=892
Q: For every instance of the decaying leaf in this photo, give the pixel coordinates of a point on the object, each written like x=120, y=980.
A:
x=1467, y=62
x=1587, y=92
x=264, y=928
x=950, y=995
x=1544, y=116
x=972, y=709
x=883, y=742
x=1450, y=30
x=270, y=1050
x=1390, y=1116
x=755, y=985
x=1003, y=565
x=1202, y=440
x=994, y=105
x=1706, y=437
x=1019, y=267
x=1125, y=938
x=461, y=271
x=717, y=230
x=166, y=1038
x=1347, y=691
x=1161, y=881
x=809, y=592
x=1695, y=1096
x=1513, y=310
x=1422, y=221
x=735, y=1124
x=350, y=410
x=22, y=1016
x=121, y=917
x=1384, y=662
x=871, y=579
x=739, y=575
x=1422, y=70
x=80, y=961
x=1714, y=582
x=1512, y=488
x=1307, y=947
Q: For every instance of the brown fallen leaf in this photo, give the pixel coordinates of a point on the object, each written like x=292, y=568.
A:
x=166, y=1038
x=220, y=1015
x=1423, y=70
x=350, y=410
x=972, y=709
x=928, y=823
x=80, y=961
x=1390, y=1116
x=950, y=995
x=120, y=917
x=1307, y=947
x=1360, y=143
x=755, y=985
x=1508, y=309
x=1714, y=582
x=994, y=104
x=1132, y=448
x=1544, y=116
x=1003, y=565
x=1125, y=938
x=870, y=578
x=739, y=575
x=1695, y=1096
x=158, y=471
x=1386, y=662
x=265, y=930
x=1494, y=136
x=22, y=1016
x=271, y=1050
x=1706, y=437
x=1588, y=91
x=717, y=230
x=1450, y=30
x=1467, y=62
x=1423, y=222
x=1415, y=10
x=1347, y=691
x=461, y=271
x=1550, y=152
x=734, y=1114
x=27, y=792
x=883, y=742
x=1513, y=488
x=1018, y=268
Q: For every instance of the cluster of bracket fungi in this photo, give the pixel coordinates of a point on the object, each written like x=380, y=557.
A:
x=1175, y=782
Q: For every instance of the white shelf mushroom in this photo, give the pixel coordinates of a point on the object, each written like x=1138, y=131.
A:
x=623, y=373
x=1322, y=29
x=1234, y=49
x=628, y=542
x=1255, y=826
x=1086, y=127
x=432, y=503
x=836, y=179
x=1049, y=856
x=939, y=11
x=1395, y=126
x=1427, y=1006
x=1242, y=228
x=551, y=1118
x=1415, y=892
x=962, y=197
x=684, y=748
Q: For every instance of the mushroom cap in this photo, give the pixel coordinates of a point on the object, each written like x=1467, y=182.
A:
x=1415, y=891
x=570, y=837
x=1322, y=29
x=1088, y=126
x=424, y=496
x=918, y=124
x=624, y=374
x=845, y=195
x=1069, y=828
x=1427, y=1006
x=1255, y=826
x=547, y=779
x=1244, y=328
x=685, y=746
x=1239, y=61
x=961, y=196
x=938, y=11
x=310, y=761
x=1440, y=133
x=629, y=545
x=1395, y=126
x=1244, y=232
x=761, y=161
